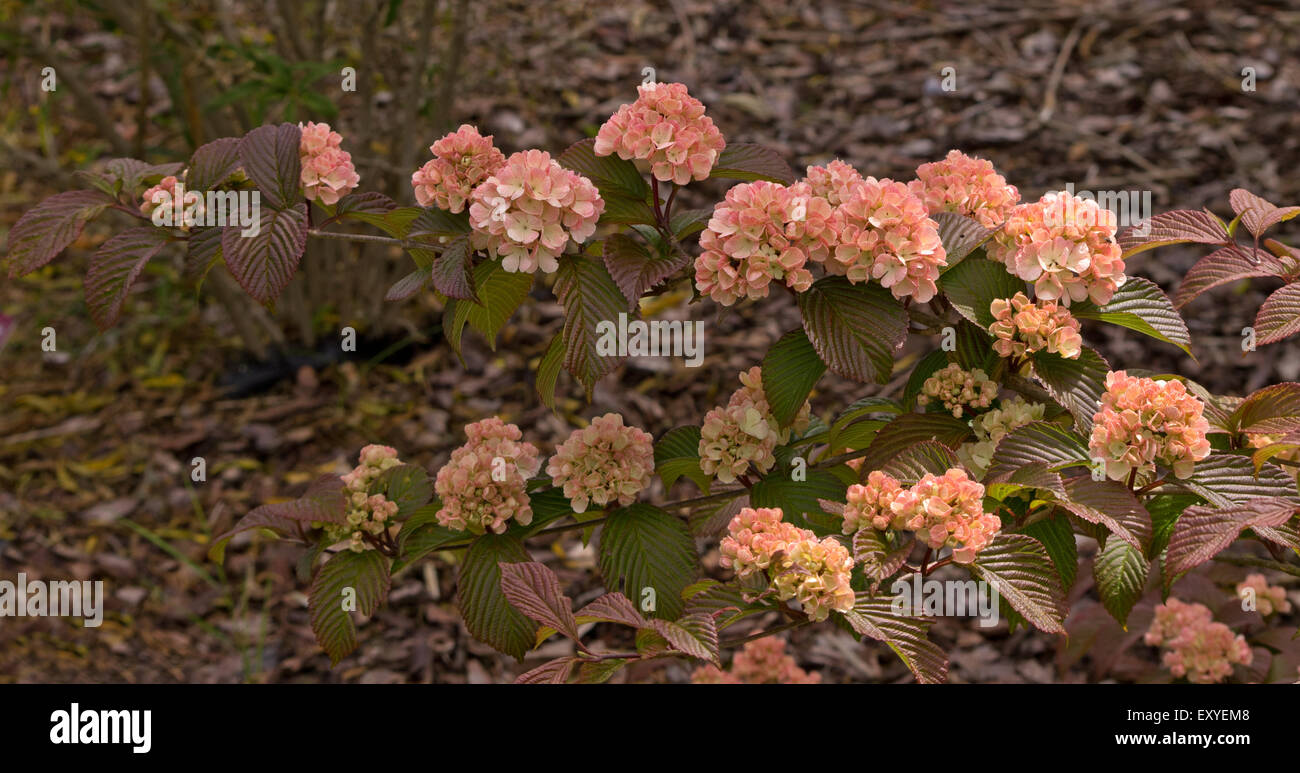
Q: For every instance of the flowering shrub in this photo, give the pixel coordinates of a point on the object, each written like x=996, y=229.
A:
x=987, y=456
x=762, y=661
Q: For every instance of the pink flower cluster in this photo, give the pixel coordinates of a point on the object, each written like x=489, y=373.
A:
x=833, y=182
x=1198, y=648
x=816, y=573
x=1022, y=326
x=760, y=232
x=530, y=208
x=461, y=160
x=884, y=232
x=603, y=463
x=327, y=171
x=944, y=510
x=744, y=431
x=762, y=661
x=667, y=128
x=958, y=389
x=1269, y=599
x=1065, y=245
x=367, y=513
x=484, y=483
x=965, y=185
x=165, y=185
x=1143, y=421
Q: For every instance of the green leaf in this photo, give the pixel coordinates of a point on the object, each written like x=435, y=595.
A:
x=407, y=485
x=930, y=364
x=621, y=186
x=548, y=370
x=1142, y=306
x=855, y=328
x=791, y=369
x=347, y=577
x=973, y=284
x=269, y=155
x=500, y=292
x=592, y=305
x=265, y=263
x=974, y=347
x=1076, y=384
x=677, y=454
x=1019, y=568
x=418, y=539
x=749, y=161
x=488, y=615
x=906, y=636
x=801, y=500
x=644, y=547
x=1058, y=538
x=48, y=228
x=1121, y=573
x=115, y=267
x=1165, y=509
x=439, y=223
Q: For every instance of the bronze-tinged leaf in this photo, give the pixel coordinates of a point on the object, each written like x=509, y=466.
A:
x=1273, y=410
x=409, y=285
x=1203, y=531
x=115, y=267
x=1142, y=306
x=876, y=557
x=48, y=228
x=1019, y=568
x=960, y=235
x=906, y=636
x=269, y=156
x=263, y=264
x=908, y=430
x=612, y=608
x=1279, y=317
x=212, y=164
x=452, y=271
x=324, y=501
x=1076, y=384
x=551, y=672
x=636, y=268
x=1257, y=214
x=1038, y=442
x=1224, y=266
x=1176, y=227
x=1111, y=504
x=1228, y=479
x=694, y=634
x=750, y=161
x=202, y=251
x=855, y=328
x=920, y=459
x=533, y=589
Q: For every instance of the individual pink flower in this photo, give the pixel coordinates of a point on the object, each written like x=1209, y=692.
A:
x=530, y=208
x=1269, y=599
x=1065, y=245
x=957, y=389
x=833, y=182
x=461, y=160
x=1197, y=648
x=815, y=573
x=885, y=233
x=1142, y=421
x=603, y=463
x=762, y=661
x=327, y=171
x=966, y=185
x=1021, y=327
x=759, y=233
x=483, y=485
x=667, y=128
